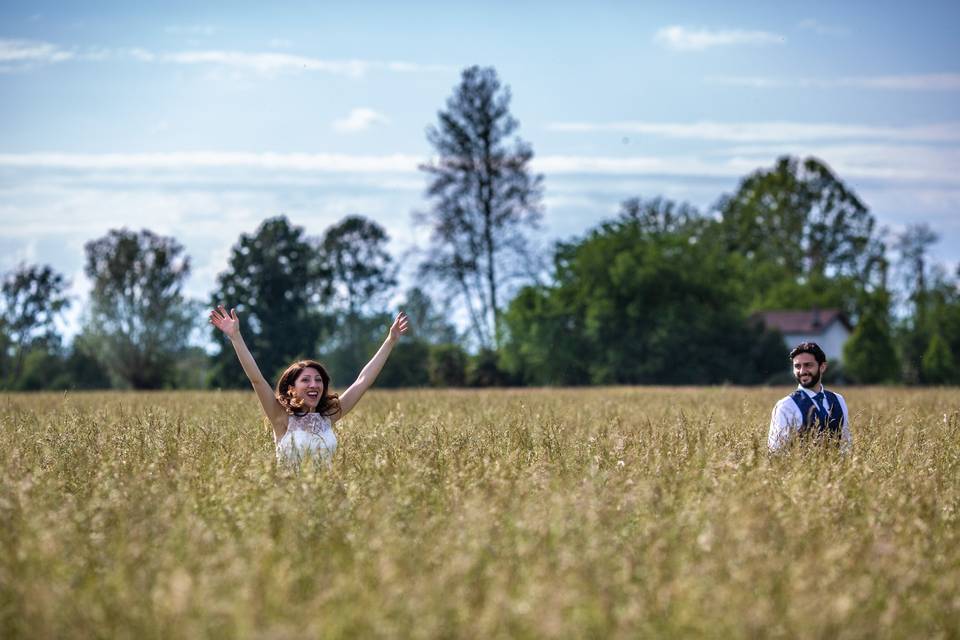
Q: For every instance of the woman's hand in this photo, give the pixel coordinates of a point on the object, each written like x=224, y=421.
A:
x=229, y=323
x=399, y=327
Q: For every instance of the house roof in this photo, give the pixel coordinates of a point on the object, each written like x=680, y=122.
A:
x=811, y=322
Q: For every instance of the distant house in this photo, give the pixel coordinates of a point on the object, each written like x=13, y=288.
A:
x=827, y=327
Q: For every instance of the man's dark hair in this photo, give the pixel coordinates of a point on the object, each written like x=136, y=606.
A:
x=809, y=347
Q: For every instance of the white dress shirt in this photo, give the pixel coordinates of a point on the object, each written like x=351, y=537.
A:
x=786, y=420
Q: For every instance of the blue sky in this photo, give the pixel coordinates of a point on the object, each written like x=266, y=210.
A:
x=199, y=121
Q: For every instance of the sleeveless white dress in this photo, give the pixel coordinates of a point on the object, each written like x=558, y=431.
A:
x=310, y=435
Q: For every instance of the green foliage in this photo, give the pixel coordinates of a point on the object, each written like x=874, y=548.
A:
x=483, y=370
x=277, y=286
x=41, y=369
x=192, y=369
x=408, y=366
x=82, y=369
x=806, y=237
x=545, y=342
x=484, y=200
x=6, y=359
x=946, y=315
x=362, y=273
x=447, y=365
x=351, y=344
x=31, y=298
x=939, y=366
x=647, y=298
x=139, y=322
x=869, y=356
x=804, y=206
x=362, y=277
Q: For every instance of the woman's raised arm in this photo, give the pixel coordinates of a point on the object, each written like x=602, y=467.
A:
x=350, y=397
x=229, y=323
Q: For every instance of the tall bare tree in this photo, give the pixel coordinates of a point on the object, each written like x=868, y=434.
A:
x=484, y=200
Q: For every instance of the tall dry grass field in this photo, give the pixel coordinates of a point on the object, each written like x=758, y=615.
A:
x=616, y=513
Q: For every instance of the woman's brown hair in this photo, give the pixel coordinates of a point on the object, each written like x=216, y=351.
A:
x=329, y=404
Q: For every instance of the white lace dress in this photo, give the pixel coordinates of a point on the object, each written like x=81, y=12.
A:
x=309, y=435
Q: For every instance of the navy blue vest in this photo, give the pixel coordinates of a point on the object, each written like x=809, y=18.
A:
x=831, y=421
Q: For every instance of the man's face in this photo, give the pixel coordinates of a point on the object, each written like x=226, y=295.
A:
x=807, y=371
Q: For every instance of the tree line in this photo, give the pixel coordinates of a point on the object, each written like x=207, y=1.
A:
x=661, y=293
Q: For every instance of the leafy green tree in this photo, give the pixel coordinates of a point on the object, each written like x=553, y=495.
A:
x=484, y=370
x=447, y=365
x=408, y=366
x=6, y=360
x=945, y=313
x=915, y=276
x=42, y=369
x=278, y=287
x=641, y=299
x=192, y=369
x=32, y=298
x=807, y=237
x=351, y=344
x=81, y=369
x=361, y=269
x=913, y=266
x=545, y=338
x=362, y=278
x=484, y=201
x=804, y=206
x=139, y=321
x=410, y=363
x=869, y=355
x=939, y=366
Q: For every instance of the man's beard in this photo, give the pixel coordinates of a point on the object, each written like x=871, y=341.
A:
x=814, y=380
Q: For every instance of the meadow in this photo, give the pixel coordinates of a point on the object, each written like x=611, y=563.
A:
x=566, y=513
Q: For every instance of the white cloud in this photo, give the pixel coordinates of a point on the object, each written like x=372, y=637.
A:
x=890, y=162
x=681, y=38
x=636, y=165
x=922, y=82
x=905, y=82
x=881, y=163
x=141, y=55
x=21, y=54
x=768, y=131
x=311, y=162
x=359, y=119
x=16, y=55
x=271, y=63
x=268, y=63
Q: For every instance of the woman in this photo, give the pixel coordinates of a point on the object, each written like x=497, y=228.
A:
x=302, y=409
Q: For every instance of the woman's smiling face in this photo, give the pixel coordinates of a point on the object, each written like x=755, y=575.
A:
x=308, y=387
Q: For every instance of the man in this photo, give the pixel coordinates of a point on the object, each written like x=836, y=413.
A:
x=811, y=411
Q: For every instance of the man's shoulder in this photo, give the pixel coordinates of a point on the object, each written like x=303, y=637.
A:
x=786, y=400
